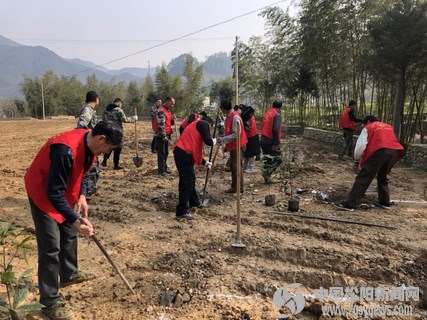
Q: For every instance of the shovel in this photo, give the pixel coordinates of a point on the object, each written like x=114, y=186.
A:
x=203, y=194
x=101, y=247
x=238, y=243
x=137, y=160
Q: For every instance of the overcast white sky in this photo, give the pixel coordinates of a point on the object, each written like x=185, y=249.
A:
x=101, y=31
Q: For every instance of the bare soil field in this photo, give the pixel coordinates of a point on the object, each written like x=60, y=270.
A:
x=133, y=214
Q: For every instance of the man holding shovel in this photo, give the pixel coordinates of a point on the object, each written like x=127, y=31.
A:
x=377, y=151
x=187, y=153
x=56, y=184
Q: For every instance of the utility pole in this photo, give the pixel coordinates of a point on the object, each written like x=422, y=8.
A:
x=44, y=115
x=236, y=70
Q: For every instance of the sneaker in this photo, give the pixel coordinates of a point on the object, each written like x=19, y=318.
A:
x=168, y=171
x=163, y=174
x=58, y=311
x=384, y=205
x=185, y=216
x=231, y=190
x=78, y=277
x=104, y=163
x=118, y=167
x=343, y=206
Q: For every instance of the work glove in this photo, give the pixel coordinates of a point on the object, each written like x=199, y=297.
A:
x=208, y=164
x=134, y=118
x=214, y=141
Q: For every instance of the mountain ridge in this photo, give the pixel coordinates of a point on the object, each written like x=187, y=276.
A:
x=18, y=61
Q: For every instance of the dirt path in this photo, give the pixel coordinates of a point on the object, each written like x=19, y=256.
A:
x=133, y=213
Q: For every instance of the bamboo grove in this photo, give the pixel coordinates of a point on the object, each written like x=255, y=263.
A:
x=332, y=51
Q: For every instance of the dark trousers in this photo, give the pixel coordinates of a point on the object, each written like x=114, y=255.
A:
x=348, y=142
x=271, y=160
x=57, y=250
x=116, y=156
x=233, y=168
x=162, y=154
x=379, y=164
x=153, y=145
x=187, y=181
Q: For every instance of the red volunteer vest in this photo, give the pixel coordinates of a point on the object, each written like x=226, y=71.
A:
x=345, y=122
x=267, y=124
x=228, y=129
x=168, y=121
x=191, y=141
x=253, y=130
x=38, y=172
x=184, y=123
x=380, y=136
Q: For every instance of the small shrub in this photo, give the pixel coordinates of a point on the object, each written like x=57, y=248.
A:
x=15, y=243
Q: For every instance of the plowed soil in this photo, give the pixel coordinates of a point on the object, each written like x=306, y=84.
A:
x=133, y=214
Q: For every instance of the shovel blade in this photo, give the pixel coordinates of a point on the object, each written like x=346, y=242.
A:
x=137, y=161
x=204, y=200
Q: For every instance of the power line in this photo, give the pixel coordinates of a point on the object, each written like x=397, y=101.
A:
x=181, y=37
x=117, y=41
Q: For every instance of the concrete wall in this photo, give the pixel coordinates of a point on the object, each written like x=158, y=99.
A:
x=416, y=155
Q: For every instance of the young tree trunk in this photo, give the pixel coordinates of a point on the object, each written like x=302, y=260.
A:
x=399, y=102
x=372, y=95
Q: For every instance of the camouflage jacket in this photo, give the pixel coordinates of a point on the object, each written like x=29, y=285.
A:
x=115, y=114
x=153, y=112
x=161, y=122
x=87, y=118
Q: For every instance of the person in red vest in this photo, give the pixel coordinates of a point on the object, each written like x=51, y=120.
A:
x=252, y=147
x=271, y=134
x=163, y=130
x=229, y=140
x=347, y=120
x=190, y=118
x=56, y=183
x=188, y=152
x=377, y=151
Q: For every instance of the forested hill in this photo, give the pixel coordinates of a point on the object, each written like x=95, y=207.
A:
x=18, y=61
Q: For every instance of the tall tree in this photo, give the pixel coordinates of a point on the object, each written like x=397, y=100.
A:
x=399, y=39
x=192, y=99
x=150, y=96
x=134, y=97
x=222, y=89
x=163, y=82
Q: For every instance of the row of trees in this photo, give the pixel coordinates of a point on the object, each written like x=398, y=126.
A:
x=62, y=95
x=374, y=52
